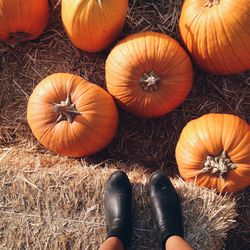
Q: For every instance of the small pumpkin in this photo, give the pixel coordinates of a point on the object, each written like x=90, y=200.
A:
x=148, y=74
x=214, y=152
x=217, y=34
x=92, y=25
x=70, y=116
x=22, y=20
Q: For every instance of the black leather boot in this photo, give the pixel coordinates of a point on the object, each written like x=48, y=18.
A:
x=118, y=207
x=166, y=207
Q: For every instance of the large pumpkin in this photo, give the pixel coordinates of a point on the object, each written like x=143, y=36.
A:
x=71, y=116
x=22, y=20
x=149, y=74
x=217, y=33
x=214, y=151
x=92, y=25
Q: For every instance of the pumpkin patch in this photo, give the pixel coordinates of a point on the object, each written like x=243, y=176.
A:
x=52, y=202
x=148, y=74
x=213, y=151
x=71, y=116
x=22, y=20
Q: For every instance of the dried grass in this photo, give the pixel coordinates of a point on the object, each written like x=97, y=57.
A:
x=49, y=202
x=147, y=143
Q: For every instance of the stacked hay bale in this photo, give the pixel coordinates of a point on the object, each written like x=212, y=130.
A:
x=49, y=202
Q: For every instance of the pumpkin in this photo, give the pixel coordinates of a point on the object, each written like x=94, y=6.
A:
x=148, y=74
x=217, y=34
x=92, y=25
x=22, y=20
x=214, y=152
x=70, y=116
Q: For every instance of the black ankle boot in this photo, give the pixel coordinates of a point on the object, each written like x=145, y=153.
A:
x=118, y=207
x=166, y=208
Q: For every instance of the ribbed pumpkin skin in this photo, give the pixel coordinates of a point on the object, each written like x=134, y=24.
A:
x=218, y=37
x=24, y=16
x=90, y=132
x=92, y=26
x=210, y=135
x=142, y=53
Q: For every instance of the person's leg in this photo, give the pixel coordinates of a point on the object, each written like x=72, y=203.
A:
x=166, y=212
x=112, y=243
x=177, y=243
x=118, y=212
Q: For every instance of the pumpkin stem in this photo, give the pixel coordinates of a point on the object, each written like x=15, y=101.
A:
x=17, y=37
x=150, y=82
x=218, y=165
x=66, y=110
x=211, y=3
x=100, y=3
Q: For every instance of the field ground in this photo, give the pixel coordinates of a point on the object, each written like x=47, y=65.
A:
x=140, y=146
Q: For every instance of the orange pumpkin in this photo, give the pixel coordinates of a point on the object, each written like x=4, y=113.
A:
x=92, y=25
x=22, y=20
x=214, y=151
x=71, y=116
x=149, y=74
x=217, y=34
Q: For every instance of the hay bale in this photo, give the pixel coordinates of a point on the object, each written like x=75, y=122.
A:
x=50, y=202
